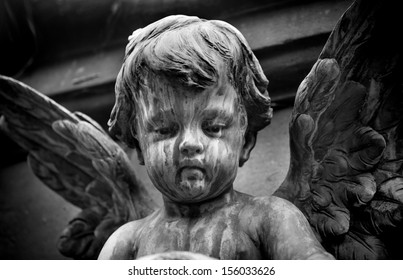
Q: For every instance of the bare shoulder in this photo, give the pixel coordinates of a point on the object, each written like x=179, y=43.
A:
x=277, y=213
x=268, y=207
x=276, y=208
x=285, y=231
x=270, y=212
x=121, y=244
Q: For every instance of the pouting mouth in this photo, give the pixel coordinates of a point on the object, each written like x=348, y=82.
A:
x=191, y=173
x=190, y=163
x=191, y=167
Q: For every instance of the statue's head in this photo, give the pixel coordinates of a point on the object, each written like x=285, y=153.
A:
x=190, y=98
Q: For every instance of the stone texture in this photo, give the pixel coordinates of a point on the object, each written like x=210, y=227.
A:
x=26, y=203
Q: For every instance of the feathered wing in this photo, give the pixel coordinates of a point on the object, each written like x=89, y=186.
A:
x=346, y=137
x=77, y=159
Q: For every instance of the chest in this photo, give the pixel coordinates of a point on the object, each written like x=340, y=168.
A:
x=218, y=238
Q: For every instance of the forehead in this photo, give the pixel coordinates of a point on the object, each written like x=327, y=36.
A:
x=164, y=94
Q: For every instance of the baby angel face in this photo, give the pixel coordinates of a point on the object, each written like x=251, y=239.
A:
x=191, y=140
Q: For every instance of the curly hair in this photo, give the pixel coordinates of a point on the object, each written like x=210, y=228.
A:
x=185, y=50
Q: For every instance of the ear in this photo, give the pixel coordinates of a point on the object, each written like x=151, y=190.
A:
x=249, y=144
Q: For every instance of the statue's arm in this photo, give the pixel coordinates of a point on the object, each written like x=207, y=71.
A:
x=286, y=233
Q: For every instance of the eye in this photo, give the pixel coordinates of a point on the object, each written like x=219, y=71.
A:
x=213, y=130
x=166, y=131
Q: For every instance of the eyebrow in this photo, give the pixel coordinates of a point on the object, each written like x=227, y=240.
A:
x=157, y=117
x=160, y=114
x=218, y=113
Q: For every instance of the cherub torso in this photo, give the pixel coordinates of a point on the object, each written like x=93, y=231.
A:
x=223, y=234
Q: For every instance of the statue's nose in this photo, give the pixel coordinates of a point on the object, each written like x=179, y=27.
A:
x=190, y=144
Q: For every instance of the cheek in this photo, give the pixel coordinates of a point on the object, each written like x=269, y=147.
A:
x=159, y=158
x=224, y=153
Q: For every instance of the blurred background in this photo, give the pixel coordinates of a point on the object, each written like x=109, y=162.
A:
x=72, y=50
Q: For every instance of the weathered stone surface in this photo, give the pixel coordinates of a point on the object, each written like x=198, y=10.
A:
x=346, y=142
x=77, y=159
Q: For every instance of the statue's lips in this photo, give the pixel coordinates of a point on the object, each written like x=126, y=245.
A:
x=191, y=173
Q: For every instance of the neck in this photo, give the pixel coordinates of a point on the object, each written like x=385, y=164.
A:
x=193, y=210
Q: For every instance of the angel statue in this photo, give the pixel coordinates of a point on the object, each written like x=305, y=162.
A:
x=190, y=100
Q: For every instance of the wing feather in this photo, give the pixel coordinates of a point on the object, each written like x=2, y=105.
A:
x=346, y=137
x=77, y=159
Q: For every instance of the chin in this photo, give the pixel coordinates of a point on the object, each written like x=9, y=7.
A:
x=196, y=193
x=192, y=191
